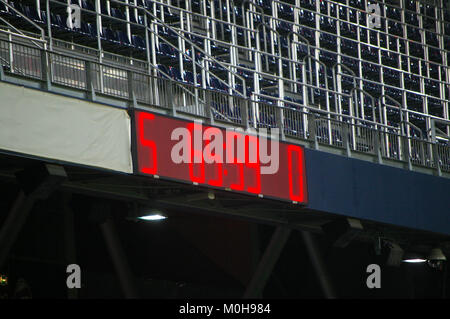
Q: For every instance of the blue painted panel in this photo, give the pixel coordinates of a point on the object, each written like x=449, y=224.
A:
x=356, y=188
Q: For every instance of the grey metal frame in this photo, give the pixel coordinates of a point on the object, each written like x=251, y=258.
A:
x=99, y=72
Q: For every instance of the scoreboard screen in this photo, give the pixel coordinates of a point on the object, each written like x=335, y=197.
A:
x=220, y=158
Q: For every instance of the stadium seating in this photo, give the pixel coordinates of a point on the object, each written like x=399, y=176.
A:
x=394, y=51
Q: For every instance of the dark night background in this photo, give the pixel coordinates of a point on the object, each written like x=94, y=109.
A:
x=193, y=256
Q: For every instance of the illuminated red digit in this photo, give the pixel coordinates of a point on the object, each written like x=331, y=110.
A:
x=301, y=196
x=216, y=160
x=255, y=166
x=142, y=117
x=231, y=159
x=239, y=186
x=196, y=152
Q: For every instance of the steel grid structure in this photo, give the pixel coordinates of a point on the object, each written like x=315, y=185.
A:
x=315, y=69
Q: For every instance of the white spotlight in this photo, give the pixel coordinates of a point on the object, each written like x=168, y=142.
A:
x=152, y=217
x=414, y=260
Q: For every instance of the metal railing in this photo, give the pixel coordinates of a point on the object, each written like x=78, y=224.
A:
x=297, y=121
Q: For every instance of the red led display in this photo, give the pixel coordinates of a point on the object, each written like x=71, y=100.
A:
x=228, y=169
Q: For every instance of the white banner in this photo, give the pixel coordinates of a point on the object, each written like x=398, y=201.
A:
x=67, y=129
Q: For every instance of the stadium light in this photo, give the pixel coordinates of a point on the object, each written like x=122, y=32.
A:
x=150, y=214
x=152, y=217
x=413, y=258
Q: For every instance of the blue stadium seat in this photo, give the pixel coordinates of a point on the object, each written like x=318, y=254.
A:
x=352, y=15
x=122, y=38
x=265, y=4
x=198, y=56
x=109, y=35
x=284, y=26
x=327, y=24
x=435, y=54
x=328, y=40
x=264, y=99
x=394, y=93
x=175, y=74
x=244, y=73
x=31, y=13
x=57, y=21
x=372, y=88
x=359, y=4
x=199, y=79
x=103, y=8
x=196, y=39
x=166, y=32
x=414, y=100
x=44, y=16
x=85, y=4
x=328, y=58
x=308, y=4
x=166, y=50
x=216, y=67
x=285, y=10
x=395, y=28
x=138, y=42
x=215, y=84
x=307, y=18
x=349, y=47
x=88, y=5
x=411, y=18
x=369, y=53
x=348, y=30
x=3, y=8
x=413, y=33
x=370, y=68
x=117, y=13
x=389, y=58
x=188, y=77
x=432, y=39
x=431, y=87
x=162, y=71
x=393, y=13
x=88, y=29
x=238, y=87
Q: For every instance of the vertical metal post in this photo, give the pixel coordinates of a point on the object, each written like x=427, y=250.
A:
x=436, y=159
x=345, y=139
x=46, y=69
x=99, y=43
x=2, y=73
x=377, y=146
x=208, y=108
x=267, y=262
x=89, y=81
x=170, y=97
x=36, y=183
x=245, y=105
x=13, y=224
x=280, y=120
x=49, y=25
x=131, y=93
x=318, y=265
x=69, y=239
x=119, y=258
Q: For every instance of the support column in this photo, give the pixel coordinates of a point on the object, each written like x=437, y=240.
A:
x=36, y=183
x=13, y=224
x=70, y=255
x=115, y=249
x=318, y=265
x=267, y=263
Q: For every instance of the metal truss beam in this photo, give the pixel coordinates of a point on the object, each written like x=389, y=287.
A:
x=267, y=263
